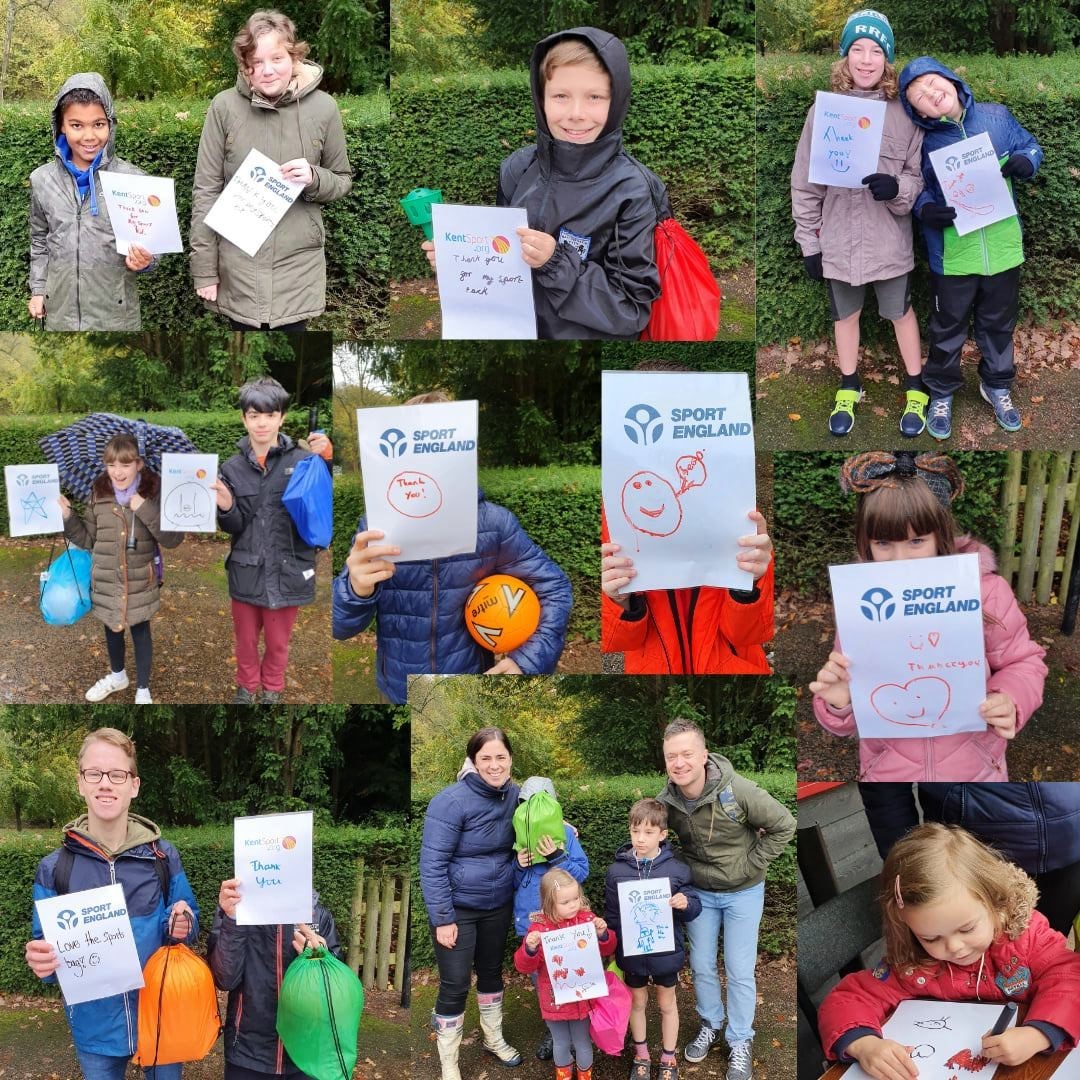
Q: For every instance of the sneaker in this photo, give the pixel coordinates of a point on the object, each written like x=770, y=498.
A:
x=939, y=423
x=270, y=697
x=142, y=696
x=1004, y=409
x=913, y=418
x=741, y=1061
x=842, y=418
x=115, y=680
x=707, y=1036
x=544, y=1049
x=243, y=696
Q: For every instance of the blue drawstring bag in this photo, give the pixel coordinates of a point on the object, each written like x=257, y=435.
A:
x=309, y=499
x=65, y=588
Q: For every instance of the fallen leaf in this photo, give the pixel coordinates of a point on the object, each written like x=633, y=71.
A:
x=794, y=416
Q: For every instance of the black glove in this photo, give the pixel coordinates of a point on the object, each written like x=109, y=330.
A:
x=882, y=186
x=812, y=266
x=937, y=216
x=1018, y=165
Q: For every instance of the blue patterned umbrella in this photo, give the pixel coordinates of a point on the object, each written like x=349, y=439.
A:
x=78, y=449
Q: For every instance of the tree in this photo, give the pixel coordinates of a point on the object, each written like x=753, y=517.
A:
x=13, y=13
x=432, y=37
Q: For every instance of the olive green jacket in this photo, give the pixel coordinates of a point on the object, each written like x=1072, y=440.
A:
x=285, y=281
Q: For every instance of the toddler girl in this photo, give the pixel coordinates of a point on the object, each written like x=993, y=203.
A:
x=903, y=513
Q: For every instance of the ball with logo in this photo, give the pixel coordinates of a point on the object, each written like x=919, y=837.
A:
x=502, y=613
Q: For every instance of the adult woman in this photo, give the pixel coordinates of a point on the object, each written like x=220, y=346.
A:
x=276, y=108
x=467, y=879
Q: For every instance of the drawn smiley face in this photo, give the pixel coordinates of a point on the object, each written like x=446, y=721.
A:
x=920, y=702
x=651, y=505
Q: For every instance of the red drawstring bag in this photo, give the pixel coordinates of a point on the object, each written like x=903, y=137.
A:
x=609, y=1016
x=688, y=307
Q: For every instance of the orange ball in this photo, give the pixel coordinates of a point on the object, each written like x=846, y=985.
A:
x=501, y=613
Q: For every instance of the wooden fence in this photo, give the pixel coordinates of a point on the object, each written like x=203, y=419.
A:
x=380, y=918
x=1039, y=502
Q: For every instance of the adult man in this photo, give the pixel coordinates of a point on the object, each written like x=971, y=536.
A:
x=730, y=830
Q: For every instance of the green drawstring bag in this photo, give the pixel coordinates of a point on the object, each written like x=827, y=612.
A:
x=539, y=815
x=318, y=1015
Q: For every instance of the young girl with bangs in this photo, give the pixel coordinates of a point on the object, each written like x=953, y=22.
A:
x=903, y=512
x=960, y=924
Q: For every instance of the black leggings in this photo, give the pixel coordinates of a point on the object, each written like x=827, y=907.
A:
x=481, y=942
x=144, y=651
x=287, y=328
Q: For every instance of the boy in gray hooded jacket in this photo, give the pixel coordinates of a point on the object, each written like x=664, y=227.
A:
x=78, y=281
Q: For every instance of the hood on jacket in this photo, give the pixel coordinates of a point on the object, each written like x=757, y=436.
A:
x=140, y=831
x=307, y=78
x=927, y=65
x=626, y=854
x=475, y=782
x=534, y=785
x=92, y=81
x=612, y=54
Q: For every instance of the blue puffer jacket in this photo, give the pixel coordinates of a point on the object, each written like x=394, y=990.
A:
x=110, y=1025
x=421, y=624
x=626, y=868
x=572, y=859
x=467, y=854
x=999, y=245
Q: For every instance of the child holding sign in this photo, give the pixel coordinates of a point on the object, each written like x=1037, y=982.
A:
x=562, y=904
x=646, y=858
x=854, y=237
x=77, y=279
x=903, y=513
x=109, y=844
x=960, y=924
x=975, y=276
x=122, y=528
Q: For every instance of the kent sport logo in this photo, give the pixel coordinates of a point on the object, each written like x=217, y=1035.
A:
x=500, y=244
x=67, y=919
x=645, y=425
x=392, y=443
x=877, y=604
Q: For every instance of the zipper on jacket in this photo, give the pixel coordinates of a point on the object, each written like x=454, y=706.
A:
x=123, y=561
x=78, y=248
x=132, y=1043
x=434, y=614
x=694, y=595
x=239, y=1013
x=677, y=619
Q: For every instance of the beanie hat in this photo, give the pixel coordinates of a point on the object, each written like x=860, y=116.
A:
x=871, y=24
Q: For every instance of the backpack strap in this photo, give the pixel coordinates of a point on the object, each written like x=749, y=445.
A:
x=730, y=805
x=62, y=871
x=161, y=868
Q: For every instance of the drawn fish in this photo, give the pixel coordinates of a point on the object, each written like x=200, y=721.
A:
x=934, y=1025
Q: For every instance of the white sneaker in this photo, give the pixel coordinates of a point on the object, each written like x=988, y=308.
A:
x=142, y=696
x=115, y=680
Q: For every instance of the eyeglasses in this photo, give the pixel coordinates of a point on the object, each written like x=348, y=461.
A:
x=116, y=776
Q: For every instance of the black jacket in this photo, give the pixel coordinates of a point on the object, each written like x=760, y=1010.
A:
x=249, y=962
x=626, y=868
x=268, y=564
x=599, y=203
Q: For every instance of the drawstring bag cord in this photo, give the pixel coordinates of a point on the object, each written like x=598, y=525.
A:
x=333, y=1023
x=74, y=576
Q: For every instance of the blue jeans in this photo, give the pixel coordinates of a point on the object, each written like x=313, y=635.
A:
x=105, y=1067
x=739, y=914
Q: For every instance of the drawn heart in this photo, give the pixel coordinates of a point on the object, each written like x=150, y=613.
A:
x=920, y=702
x=933, y=637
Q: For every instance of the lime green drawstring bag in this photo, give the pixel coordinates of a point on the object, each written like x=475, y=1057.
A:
x=318, y=1015
x=539, y=815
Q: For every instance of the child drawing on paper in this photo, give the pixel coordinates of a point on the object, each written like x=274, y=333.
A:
x=647, y=917
x=651, y=504
x=960, y=924
x=903, y=512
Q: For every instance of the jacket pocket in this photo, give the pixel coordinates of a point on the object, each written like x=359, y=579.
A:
x=867, y=770
x=245, y=573
x=297, y=574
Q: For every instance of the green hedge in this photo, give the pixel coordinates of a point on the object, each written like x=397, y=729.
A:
x=162, y=138
x=208, y=860
x=691, y=124
x=1042, y=93
x=558, y=507
x=598, y=809
x=815, y=520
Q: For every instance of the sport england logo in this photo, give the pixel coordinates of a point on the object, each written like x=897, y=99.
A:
x=258, y=174
x=392, y=443
x=952, y=163
x=22, y=479
x=645, y=425
x=877, y=604
x=67, y=919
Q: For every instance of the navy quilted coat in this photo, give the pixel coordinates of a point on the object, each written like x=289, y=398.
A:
x=467, y=854
x=421, y=624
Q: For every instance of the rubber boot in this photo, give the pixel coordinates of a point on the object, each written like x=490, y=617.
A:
x=584, y=1074
x=491, y=1020
x=564, y=1072
x=448, y=1032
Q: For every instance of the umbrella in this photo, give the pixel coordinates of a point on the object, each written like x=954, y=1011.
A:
x=78, y=449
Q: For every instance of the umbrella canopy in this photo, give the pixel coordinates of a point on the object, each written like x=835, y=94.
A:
x=78, y=450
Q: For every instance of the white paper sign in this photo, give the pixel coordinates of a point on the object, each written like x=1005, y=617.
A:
x=272, y=859
x=678, y=475
x=846, y=139
x=91, y=932
x=647, y=922
x=574, y=964
x=142, y=210
x=419, y=469
x=253, y=202
x=913, y=630
x=1069, y=1069
x=971, y=181
x=485, y=286
x=187, y=502
x=32, y=493
x=946, y=1038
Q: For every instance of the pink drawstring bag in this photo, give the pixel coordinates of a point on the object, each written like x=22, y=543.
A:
x=609, y=1017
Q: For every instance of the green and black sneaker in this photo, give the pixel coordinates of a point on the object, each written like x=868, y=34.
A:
x=913, y=418
x=842, y=418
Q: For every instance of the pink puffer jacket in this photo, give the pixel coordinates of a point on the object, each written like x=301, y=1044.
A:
x=1016, y=668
